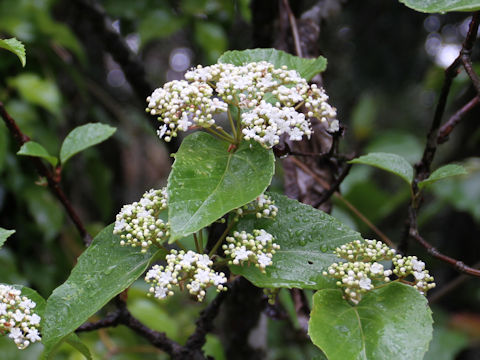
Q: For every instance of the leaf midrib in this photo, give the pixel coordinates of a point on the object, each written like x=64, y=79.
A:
x=230, y=156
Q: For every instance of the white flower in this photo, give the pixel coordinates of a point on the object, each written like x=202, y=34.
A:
x=161, y=292
x=15, y=333
x=264, y=260
x=35, y=319
x=18, y=315
x=418, y=265
x=365, y=283
x=33, y=335
x=3, y=309
x=376, y=268
x=419, y=275
x=241, y=253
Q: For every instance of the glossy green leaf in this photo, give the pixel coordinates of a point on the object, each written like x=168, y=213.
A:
x=16, y=47
x=31, y=148
x=4, y=234
x=307, y=238
x=307, y=68
x=392, y=322
x=207, y=181
x=442, y=6
x=389, y=162
x=38, y=91
x=74, y=341
x=83, y=137
x=104, y=270
x=442, y=173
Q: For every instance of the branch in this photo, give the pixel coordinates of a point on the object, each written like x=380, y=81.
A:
x=122, y=316
x=205, y=321
x=448, y=127
x=44, y=171
x=422, y=169
x=114, y=44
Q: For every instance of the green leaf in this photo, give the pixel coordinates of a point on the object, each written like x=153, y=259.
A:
x=207, y=181
x=442, y=6
x=104, y=270
x=83, y=137
x=16, y=47
x=159, y=23
x=389, y=162
x=307, y=68
x=38, y=91
x=392, y=322
x=442, y=173
x=74, y=341
x=31, y=148
x=307, y=238
x=4, y=234
x=212, y=38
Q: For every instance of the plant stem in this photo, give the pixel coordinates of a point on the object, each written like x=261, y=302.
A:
x=197, y=245
x=232, y=123
x=222, y=237
x=221, y=136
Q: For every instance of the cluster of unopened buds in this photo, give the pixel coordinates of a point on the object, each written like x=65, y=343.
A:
x=257, y=248
x=185, y=269
x=138, y=224
x=363, y=270
x=263, y=207
x=17, y=318
x=268, y=99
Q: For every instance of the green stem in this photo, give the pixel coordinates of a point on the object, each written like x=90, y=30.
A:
x=299, y=105
x=200, y=239
x=222, y=237
x=232, y=123
x=223, y=137
x=197, y=246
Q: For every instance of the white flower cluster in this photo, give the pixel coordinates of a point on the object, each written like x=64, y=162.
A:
x=268, y=99
x=266, y=123
x=410, y=265
x=17, y=317
x=257, y=248
x=363, y=269
x=180, y=104
x=182, y=268
x=367, y=250
x=355, y=278
x=139, y=225
x=263, y=207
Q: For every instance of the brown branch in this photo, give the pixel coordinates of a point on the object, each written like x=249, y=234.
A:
x=335, y=186
x=52, y=180
x=437, y=135
x=294, y=28
x=452, y=285
x=448, y=127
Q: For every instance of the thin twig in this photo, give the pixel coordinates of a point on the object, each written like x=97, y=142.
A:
x=448, y=127
x=335, y=186
x=452, y=285
x=293, y=26
x=347, y=203
x=422, y=169
x=44, y=171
